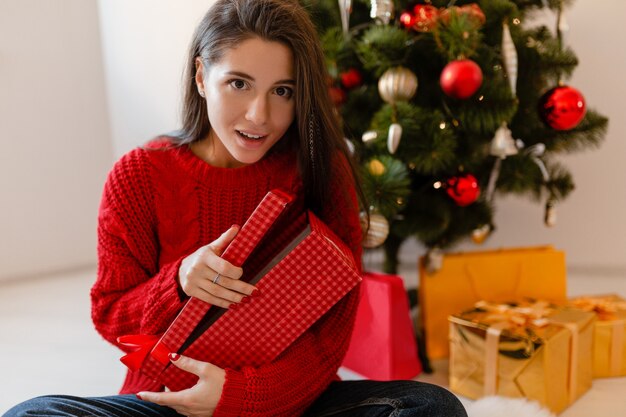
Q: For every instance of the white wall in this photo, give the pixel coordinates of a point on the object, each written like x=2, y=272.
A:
x=54, y=134
x=144, y=44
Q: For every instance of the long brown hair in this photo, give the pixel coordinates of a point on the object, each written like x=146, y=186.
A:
x=318, y=136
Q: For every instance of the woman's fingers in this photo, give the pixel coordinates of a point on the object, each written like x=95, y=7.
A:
x=207, y=276
x=219, y=244
x=221, y=265
x=227, y=289
x=235, y=285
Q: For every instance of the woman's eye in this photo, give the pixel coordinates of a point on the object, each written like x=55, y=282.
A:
x=284, y=92
x=238, y=84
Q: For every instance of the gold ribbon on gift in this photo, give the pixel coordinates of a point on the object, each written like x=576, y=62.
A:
x=502, y=317
x=606, y=308
x=573, y=356
x=491, y=357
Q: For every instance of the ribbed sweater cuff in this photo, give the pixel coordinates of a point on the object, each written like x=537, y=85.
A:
x=231, y=402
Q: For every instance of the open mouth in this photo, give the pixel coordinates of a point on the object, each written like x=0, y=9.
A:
x=249, y=136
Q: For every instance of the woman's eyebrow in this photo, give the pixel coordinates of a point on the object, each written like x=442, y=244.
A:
x=251, y=78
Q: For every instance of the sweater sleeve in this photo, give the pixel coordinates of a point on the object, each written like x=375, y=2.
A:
x=131, y=294
x=290, y=384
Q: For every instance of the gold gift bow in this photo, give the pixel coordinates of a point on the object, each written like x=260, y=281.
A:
x=504, y=316
x=605, y=308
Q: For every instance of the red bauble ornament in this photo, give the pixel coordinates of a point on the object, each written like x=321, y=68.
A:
x=407, y=20
x=425, y=17
x=461, y=78
x=351, y=78
x=463, y=189
x=337, y=95
x=562, y=108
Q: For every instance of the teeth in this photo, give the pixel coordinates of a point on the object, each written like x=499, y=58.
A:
x=250, y=136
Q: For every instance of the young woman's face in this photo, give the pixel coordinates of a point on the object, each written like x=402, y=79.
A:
x=249, y=98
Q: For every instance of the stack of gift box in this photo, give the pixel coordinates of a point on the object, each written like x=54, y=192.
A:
x=504, y=321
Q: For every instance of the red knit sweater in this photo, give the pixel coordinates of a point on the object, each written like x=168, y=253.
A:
x=159, y=205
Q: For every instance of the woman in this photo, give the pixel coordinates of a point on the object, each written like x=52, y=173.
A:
x=256, y=117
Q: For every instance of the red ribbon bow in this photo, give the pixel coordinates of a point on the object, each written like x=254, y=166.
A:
x=140, y=346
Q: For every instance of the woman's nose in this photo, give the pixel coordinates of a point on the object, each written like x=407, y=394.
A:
x=258, y=110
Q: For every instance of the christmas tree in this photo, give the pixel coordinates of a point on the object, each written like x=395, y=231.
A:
x=447, y=104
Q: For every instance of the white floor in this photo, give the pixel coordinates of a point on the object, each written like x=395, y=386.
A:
x=48, y=345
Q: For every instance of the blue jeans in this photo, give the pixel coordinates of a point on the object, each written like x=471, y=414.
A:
x=341, y=398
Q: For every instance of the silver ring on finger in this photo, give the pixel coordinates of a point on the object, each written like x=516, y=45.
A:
x=216, y=279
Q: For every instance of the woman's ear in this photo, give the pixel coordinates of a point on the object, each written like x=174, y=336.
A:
x=199, y=75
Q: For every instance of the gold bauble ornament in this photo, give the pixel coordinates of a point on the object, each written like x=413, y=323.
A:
x=397, y=84
x=377, y=232
x=376, y=167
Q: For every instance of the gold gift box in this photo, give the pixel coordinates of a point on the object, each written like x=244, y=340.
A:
x=609, y=333
x=499, y=275
x=495, y=354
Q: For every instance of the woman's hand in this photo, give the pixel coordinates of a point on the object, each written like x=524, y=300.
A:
x=206, y=276
x=197, y=401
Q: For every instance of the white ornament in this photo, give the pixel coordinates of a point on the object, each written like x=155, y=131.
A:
x=503, y=144
x=393, y=137
x=382, y=10
x=369, y=136
x=509, y=56
x=350, y=146
x=345, y=7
